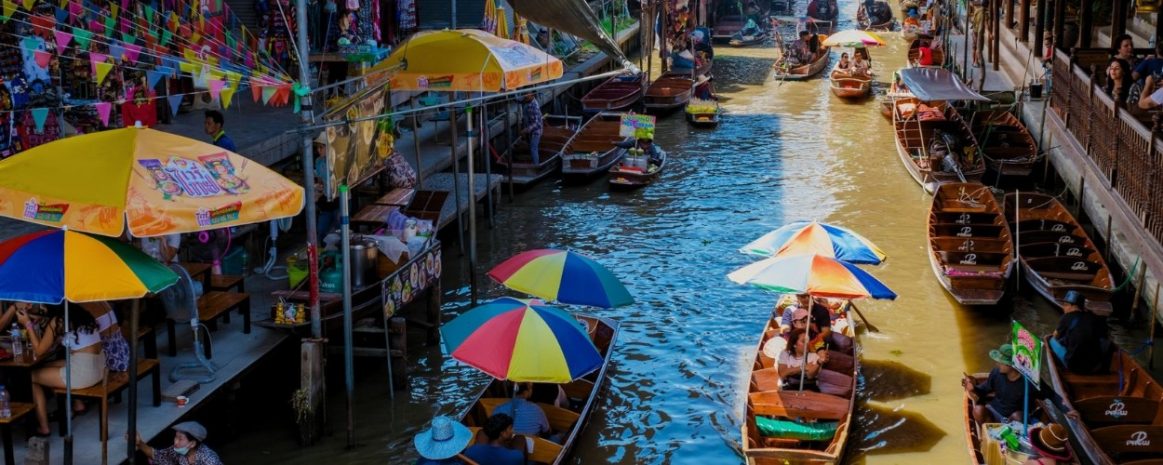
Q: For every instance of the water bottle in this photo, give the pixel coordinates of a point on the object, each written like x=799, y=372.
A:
x=17, y=341
x=5, y=407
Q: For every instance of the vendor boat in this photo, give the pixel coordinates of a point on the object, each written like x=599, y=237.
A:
x=668, y=93
x=617, y=93
x=1006, y=144
x=703, y=113
x=969, y=243
x=1056, y=254
x=933, y=141
x=555, y=134
x=741, y=40
x=595, y=148
x=790, y=72
x=865, y=23
x=915, y=51
x=636, y=171
x=582, y=392
x=726, y=27
x=851, y=86
x=790, y=427
x=822, y=21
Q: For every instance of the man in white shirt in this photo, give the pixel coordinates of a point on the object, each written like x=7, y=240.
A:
x=162, y=248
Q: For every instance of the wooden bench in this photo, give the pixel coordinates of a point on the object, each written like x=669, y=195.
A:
x=211, y=306
x=544, y=450
x=227, y=282
x=560, y=420
x=19, y=410
x=113, y=384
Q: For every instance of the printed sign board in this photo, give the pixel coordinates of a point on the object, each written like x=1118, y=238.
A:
x=1027, y=353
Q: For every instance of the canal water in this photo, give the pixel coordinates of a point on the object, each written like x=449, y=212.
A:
x=785, y=151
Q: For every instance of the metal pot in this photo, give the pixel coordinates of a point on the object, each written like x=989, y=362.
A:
x=363, y=262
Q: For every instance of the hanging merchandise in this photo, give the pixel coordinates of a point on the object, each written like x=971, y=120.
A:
x=406, y=17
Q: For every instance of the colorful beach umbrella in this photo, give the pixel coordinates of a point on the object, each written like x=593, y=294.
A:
x=817, y=275
x=853, y=38
x=56, y=265
x=467, y=60
x=811, y=237
x=562, y=276
x=156, y=182
x=522, y=341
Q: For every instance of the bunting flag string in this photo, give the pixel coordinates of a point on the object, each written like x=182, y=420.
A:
x=103, y=109
x=39, y=115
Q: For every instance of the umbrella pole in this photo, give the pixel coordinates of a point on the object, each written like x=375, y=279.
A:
x=808, y=333
x=348, y=365
x=131, y=436
x=472, y=215
x=68, y=393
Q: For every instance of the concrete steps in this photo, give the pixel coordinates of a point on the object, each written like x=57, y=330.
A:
x=1141, y=29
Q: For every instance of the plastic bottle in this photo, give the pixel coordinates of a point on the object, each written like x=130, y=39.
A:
x=17, y=341
x=5, y=406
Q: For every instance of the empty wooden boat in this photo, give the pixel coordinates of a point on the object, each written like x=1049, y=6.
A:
x=962, y=217
x=595, y=148
x=935, y=144
x=668, y=93
x=786, y=71
x=1055, y=252
x=786, y=438
x=863, y=20
x=617, y=93
x=1006, y=144
x=582, y=392
x=555, y=135
x=938, y=54
x=726, y=27
x=851, y=86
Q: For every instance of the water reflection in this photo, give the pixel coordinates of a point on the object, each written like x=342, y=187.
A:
x=887, y=380
x=885, y=429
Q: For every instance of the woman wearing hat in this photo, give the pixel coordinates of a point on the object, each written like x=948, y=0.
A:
x=1050, y=442
x=443, y=442
x=186, y=450
x=1005, y=388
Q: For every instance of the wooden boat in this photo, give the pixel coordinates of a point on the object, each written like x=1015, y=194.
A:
x=863, y=21
x=1006, y=144
x=834, y=403
x=823, y=23
x=595, y=148
x=886, y=108
x=786, y=72
x=969, y=243
x=984, y=449
x=972, y=428
x=636, y=171
x=915, y=52
x=584, y=391
x=703, y=113
x=916, y=139
x=740, y=40
x=846, y=85
x=617, y=93
x=555, y=134
x=668, y=93
x=1056, y=253
x=727, y=27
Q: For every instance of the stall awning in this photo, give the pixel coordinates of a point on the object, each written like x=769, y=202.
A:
x=930, y=84
x=575, y=17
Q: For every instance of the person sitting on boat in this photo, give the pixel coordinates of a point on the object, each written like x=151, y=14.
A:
x=913, y=20
x=792, y=367
x=528, y=418
x=682, y=59
x=653, y=153
x=821, y=324
x=499, y=431
x=442, y=443
x=750, y=29
x=860, y=66
x=703, y=88
x=1049, y=443
x=800, y=53
x=1082, y=341
x=549, y=394
x=1006, y=386
x=844, y=64
x=533, y=126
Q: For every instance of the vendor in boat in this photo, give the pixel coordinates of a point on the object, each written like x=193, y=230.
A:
x=528, y=418
x=796, y=373
x=1050, y=445
x=703, y=88
x=533, y=126
x=800, y=53
x=646, y=145
x=1000, y=397
x=913, y=20
x=1082, y=341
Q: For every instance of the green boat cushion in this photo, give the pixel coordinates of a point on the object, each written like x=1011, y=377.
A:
x=784, y=429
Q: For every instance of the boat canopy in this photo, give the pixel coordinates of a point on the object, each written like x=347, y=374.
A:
x=932, y=84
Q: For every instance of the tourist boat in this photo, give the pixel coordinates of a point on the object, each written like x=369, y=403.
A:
x=668, y=93
x=1056, y=253
x=864, y=23
x=740, y=40
x=1118, y=413
x=726, y=27
x=934, y=143
x=886, y=108
x=616, y=94
x=915, y=51
x=847, y=85
x=703, y=113
x=555, y=134
x=595, y=147
x=969, y=243
x=972, y=428
x=798, y=442
x=823, y=23
x=786, y=72
x=1006, y=144
x=583, y=391
x=636, y=171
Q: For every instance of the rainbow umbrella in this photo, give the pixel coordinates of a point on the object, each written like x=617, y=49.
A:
x=522, y=341
x=811, y=237
x=814, y=274
x=853, y=38
x=56, y=265
x=562, y=276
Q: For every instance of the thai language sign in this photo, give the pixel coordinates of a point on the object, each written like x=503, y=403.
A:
x=1027, y=353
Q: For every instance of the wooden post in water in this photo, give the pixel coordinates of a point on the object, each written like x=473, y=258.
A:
x=1109, y=240
x=1009, y=14
x=1154, y=312
x=1081, y=193
x=314, y=392
x=1138, y=287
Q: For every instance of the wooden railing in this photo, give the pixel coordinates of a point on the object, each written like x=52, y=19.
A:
x=1124, y=145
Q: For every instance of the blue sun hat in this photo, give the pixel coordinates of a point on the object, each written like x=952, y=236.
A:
x=445, y=439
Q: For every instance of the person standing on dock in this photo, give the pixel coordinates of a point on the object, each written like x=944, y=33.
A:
x=533, y=126
x=214, y=127
x=187, y=449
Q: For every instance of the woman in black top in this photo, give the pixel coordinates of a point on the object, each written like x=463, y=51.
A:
x=1118, y=81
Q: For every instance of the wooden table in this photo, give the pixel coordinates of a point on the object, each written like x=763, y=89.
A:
x=19, y=410
x=199, y=272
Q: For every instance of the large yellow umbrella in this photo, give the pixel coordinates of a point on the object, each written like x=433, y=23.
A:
x=502, y=24
x=466, y=60
x=156, y=182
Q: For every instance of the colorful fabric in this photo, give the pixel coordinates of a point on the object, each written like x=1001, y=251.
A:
x=562, y=276
x=810, y=237
x=817, y=275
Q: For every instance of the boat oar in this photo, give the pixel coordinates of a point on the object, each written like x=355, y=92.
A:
x=867, y=324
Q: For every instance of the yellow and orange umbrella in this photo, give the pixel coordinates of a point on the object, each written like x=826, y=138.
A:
x=502, y=24
x=156, y=182
x=466, y=60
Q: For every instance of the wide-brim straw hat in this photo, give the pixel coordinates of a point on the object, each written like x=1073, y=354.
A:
x=1050, y=442
x=445, y=439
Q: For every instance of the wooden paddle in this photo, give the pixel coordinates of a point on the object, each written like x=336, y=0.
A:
x=870, y=326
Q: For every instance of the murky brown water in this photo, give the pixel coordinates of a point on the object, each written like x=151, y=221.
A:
x=785, y=151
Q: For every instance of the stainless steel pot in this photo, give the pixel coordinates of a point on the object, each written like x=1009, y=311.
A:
x=363, y=262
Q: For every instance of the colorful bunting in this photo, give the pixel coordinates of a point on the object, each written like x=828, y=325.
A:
x=103, y=109
x=175, y=102
x=116, y=50
x=42, y=22
x=267, y=94
x=95, y=58
x=128, y=38
x=28, y=4
x=216, y=86
x=39, y=115
x=82, y=36
x=153, y=77
x=227, y=96
x=9, y=9
x=102, y=71
x=75, y=8
x=62, y=15
x=42, y=58
x=110, y=22
x=255, y=91
x=63, y=39
x=166, y=34
x=132, y=52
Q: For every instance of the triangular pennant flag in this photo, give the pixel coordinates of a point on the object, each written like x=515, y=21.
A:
x=42, y=58
x=95, y=58
x=110, y=22
x=29, y=45
x=63, y=39
x=267, y=94
x=62, y=15
x=103, y=111
x=175, y=102
x=103, y=71
x=113, y=10
x=38, y=117
x=227, y=96
x=166, y=34
x=153, y=77
x=42, y=22
x=9, y=9
x=216, y=86
x=116, y=50
x=28, y=4
x=126, y=25
x=82, y=36
x=132, y=52
x=255, y=91
x=95, y=25
x=128, y=38
x=75, y=8
x=149, y=14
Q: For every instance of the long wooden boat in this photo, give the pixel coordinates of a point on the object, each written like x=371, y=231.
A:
x=1119, y=419
x=914, y=53
x=969, y=243
x=835, y=403
x=847, y=85
x=783, y=71
x=863, y=21
x=703, y=113
x=740, y=40
x=984, y=450
x=555, y=134
x=972, y=428
x=668, y=93
x=1056, y=253
x=617, y=93
x=823, y=23
x=584, y=391
x=636, y=171
x=595, y=148
x=727, y=26
x=1006, y=144
x=916, y=138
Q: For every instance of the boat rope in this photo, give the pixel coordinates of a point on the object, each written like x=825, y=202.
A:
x=1130, y=276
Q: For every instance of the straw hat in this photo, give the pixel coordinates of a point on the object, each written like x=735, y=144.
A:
x=1050, y=441
x=445, y=439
